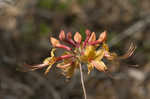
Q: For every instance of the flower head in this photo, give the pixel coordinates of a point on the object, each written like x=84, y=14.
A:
x=86, y=52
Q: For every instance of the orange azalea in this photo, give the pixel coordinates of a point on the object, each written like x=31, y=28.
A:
x=81, y=52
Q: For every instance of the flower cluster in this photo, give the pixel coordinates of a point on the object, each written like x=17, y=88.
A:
x=91, y=51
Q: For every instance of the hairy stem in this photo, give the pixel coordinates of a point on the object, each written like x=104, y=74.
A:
x=82, y=82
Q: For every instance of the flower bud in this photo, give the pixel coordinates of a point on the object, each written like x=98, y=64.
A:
x=54, y=42
x=87, y=32
x=69, y=35
x=102, y=37
x=77, y=37
x=62, y=35
x=69, y=39
x=92, y=37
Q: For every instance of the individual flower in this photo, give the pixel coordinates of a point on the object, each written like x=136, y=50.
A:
x=91, y=51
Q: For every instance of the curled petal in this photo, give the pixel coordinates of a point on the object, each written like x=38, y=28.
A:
x=64, y=66
x=77, y=37
x=68, y=67
x=69, y=70
x=92, y=37
x=62, y=35
x=99, y=65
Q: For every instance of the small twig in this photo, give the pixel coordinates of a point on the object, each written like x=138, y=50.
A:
x=82, y=82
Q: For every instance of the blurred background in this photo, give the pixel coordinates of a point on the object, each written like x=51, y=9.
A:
x=25, y=28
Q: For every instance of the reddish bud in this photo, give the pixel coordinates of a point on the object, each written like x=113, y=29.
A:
x=54, y=42
x=77, y=37
x=102, y=37
x=69, y=39
x=69, y=35
x=88, y=33
x=62, y=35
x=92, y=37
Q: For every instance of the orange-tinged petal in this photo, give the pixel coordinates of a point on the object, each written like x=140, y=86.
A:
x=63, y=66
x=62, y=35
x=100, y=54
x=51, y=62
x=46, y=61
x=69, y=71
x=90, y=67
x=52, y=52
x=99, y=65
x=89, y=53
x=77, y=37
x=102, y=36
x=54, y=41
x=92, y=37
x=48, y=69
